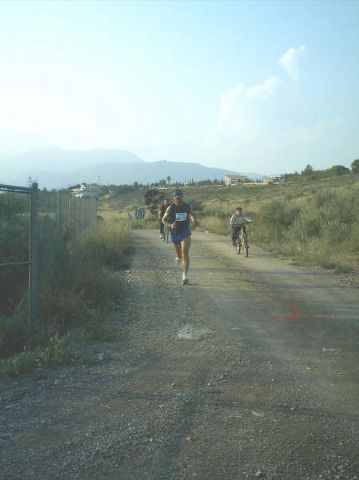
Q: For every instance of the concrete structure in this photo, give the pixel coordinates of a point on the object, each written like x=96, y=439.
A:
x=85, y=191
x=234, y=179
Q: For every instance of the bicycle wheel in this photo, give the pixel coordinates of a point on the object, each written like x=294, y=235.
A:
x=245, y=245
x=238, y=246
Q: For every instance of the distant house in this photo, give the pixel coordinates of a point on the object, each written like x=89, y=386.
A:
x=271, y=180
x=86, y=191
x=234, y=179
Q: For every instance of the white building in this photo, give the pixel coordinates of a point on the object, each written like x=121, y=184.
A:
x=85, y=191
x=234, y=179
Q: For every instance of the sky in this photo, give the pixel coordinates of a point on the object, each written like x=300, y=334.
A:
x=260, y=86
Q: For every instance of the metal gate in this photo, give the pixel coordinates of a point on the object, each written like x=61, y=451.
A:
x=32, y=260
x=52, y=217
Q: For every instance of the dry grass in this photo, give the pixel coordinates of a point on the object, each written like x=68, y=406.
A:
x=78, y=294
x=309, y=221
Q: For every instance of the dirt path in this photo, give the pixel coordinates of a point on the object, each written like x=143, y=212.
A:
x=249, y=372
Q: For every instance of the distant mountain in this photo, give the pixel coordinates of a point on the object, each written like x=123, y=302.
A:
x=23, y=165
x=94, y=166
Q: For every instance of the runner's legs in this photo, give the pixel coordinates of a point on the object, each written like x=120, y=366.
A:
x=185, y=245
x=178, y=249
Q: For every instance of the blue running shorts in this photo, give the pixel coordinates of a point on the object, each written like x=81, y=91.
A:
x=178, y=237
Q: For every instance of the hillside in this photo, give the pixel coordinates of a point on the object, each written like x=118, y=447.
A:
x=58, y=168
x=314, y=222
x=250, y=196
x=124, y=173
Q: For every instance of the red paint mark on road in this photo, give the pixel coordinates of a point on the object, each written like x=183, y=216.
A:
x=296, y=313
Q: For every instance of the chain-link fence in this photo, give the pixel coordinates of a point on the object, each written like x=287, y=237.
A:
x=34, y=227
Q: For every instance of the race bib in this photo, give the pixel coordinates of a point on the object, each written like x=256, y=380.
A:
x=181, y=217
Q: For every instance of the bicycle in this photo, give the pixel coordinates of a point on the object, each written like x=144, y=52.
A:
x=242, y=242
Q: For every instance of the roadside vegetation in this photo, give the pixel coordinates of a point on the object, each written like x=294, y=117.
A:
x=77, y=292
x=311, y=217
x=310, y=221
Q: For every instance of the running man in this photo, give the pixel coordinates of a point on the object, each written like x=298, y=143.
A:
x=238, y=221
x=177, y=218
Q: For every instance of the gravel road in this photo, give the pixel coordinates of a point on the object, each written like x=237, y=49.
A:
x=249, y=372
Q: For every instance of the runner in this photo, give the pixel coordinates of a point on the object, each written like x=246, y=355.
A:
x=177, y=218
x=161, y=211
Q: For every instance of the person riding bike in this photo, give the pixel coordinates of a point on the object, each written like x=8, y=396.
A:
x=238, y=222
x=161, y=211
x=177, y=218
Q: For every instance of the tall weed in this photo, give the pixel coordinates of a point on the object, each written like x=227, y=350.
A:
x=78, y=292
x=143, y=223
x=215, y=224
x=107, y=244
x=326, y=229
x=310, y=224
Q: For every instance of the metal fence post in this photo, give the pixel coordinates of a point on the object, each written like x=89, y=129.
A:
x=34, y=267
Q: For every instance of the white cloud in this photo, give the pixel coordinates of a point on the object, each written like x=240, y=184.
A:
x=49, y=117
x=289, y=61
x=272, y=148
x=241, y=107
x=263, y=90
x=317, y=133
x=239, y=104
x=258, y=125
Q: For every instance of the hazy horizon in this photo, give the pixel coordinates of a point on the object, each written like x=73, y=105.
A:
x=246, y=86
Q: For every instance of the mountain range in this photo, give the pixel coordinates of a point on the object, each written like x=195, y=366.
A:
x=57, y=168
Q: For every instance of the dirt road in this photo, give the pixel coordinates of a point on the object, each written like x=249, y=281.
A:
x=249, y=372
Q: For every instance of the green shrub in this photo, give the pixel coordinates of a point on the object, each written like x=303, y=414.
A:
x=57, y=352
x=106, y=244
x=11, y=367
x=278, y=213
x=351, y=243
x=12, y=204
x=14, y=239
x=215, y=224
x=306, y=225
x=14, y=331
x=96, y=329
x=144, y=223
x=78, y=293
x=326, y=229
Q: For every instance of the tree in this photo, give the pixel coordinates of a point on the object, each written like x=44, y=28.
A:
x=308, y=171
x=31, y=181
x=168, y=180
x=152, y=198
x=338, y=170
x=355, y=166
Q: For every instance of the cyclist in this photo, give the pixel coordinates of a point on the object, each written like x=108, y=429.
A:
x=238, y=221
x=177, y=218
x=161, y=211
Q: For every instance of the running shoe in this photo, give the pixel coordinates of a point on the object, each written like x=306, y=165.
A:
x=185, y=281
x=161, y=237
